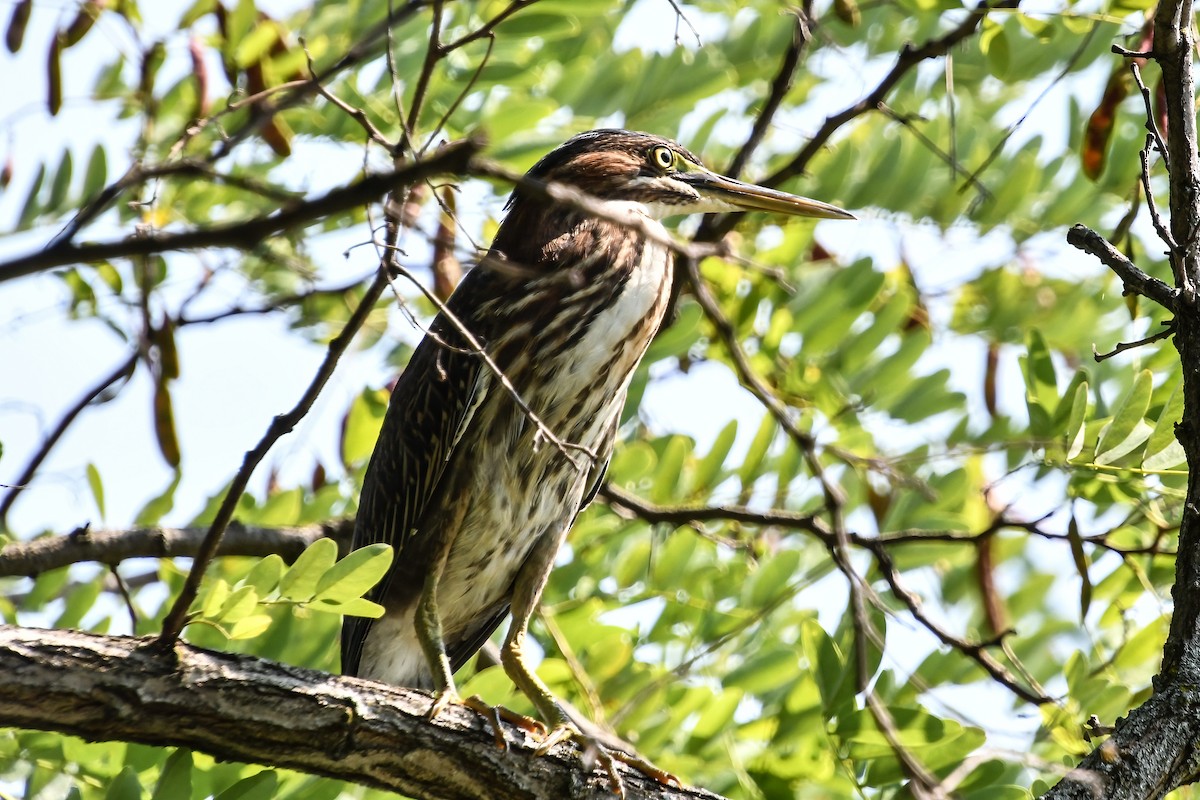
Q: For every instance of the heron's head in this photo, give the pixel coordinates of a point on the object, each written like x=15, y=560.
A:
x=661, y=175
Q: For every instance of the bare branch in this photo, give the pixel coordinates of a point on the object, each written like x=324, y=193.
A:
x=116, y=545
x=906, y=61
x=1121, y=347
x=780, y=86
x=451, y=159
x=1135, y=280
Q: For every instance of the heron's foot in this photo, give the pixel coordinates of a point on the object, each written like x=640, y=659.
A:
x=594, y=751
x=443, y=698
x=494, y=714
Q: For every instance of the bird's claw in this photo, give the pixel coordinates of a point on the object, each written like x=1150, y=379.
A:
x=594, y=751
x=493, y=714
x=441, y=700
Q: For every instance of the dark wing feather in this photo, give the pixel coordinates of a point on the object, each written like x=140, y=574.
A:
x=430, y=406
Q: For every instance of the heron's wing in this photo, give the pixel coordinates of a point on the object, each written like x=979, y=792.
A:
x=430, y=408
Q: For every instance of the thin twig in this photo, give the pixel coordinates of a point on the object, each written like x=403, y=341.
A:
x=1155, y=217
x=998, y=148
x=932, y=146
x=1151, y=123
x=280, y=425
x=1121, y=347
x=123, y=590
x=356, y=114
x=21, y=482
x=679, y=15
x=462, y=95
x=780, y=86
x=433, y=54
x=487, y=28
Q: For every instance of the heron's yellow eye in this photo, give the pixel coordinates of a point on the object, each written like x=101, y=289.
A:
x=662, y=157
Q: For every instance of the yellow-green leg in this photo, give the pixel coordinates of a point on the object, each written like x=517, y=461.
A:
x=527, y=591
x=428, y=623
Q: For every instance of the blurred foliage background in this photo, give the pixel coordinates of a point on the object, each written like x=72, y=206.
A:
x=956, y=513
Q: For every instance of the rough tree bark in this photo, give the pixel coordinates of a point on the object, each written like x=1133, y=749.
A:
x=241, y=708
x=1154, y=749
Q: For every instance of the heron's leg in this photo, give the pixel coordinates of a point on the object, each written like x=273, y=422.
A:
x=428, y=622
x=527, y=591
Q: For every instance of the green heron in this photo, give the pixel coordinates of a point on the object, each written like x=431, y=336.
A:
x=464, y=483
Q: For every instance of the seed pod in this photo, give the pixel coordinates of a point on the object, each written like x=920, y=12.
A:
x=54, y=76
x=16, y=25
x=88, y=13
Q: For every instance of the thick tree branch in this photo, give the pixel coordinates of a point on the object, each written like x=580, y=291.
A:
x=248, y=234
x=242, y=708
x=1154, y=749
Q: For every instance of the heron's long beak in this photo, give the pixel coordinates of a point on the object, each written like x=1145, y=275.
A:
x=759, y=198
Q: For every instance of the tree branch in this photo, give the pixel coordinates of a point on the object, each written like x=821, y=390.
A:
x=242, y=708
x=1153, y=749
x=121, y=371
x=114, y=546
x=1087, y=240
x=450, y=159
x=907, y=60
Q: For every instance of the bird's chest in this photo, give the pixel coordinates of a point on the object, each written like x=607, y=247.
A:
x=520, y=487
x=603, y=334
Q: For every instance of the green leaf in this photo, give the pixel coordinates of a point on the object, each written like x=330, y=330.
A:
x=257, y=787
x=757, y=451
x=670, y=466
x=355, y=574
x=708, y=469
x=214, y=599
x=1082, y=567
x=250, y=626
x=159, y=506
x=362, y=425
x=61, y=184
x=175, y=780
x=717, y=714
x=771, y=578
x=32, y=207
x=300, y=581
x=238, y=604
x=239, y=22
x=81, y=600
x=256, y=43
x=126, y=786
x=1041, y=384
x=1075, y=429
x=97, y=487
x=1127, y=430
x=765, y=671
x=97, y=172
x=264, y=576
x=197, y=10
x=356, y=607
x=993, y=43
x=1163, y=450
